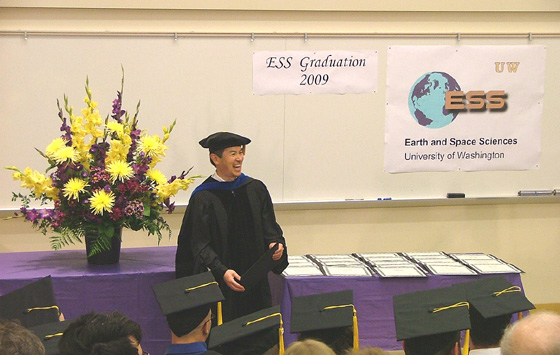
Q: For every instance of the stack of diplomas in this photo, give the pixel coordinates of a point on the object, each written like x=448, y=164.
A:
x=486, y=263
x=416, y=264
x=391, y=265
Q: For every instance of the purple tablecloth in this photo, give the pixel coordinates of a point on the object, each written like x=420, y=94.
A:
x=80, y=288
x=126, y=287
x=373, y=299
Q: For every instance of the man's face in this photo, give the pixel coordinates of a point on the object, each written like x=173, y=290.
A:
x=229, y=165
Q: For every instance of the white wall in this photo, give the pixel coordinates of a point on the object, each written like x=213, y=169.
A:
x=525, y=234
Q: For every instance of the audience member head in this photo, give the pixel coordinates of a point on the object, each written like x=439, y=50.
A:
x=429, y=322
x=492, y=302
x=537, y=334
x=15, y=339
x=309, y=347
x=338, y=339
x=186, y=303
x=367, y=351
x=49, y=334
x=326, y=317
x=436, y=344
x=33, y=304
x=101, y=333
x=487, y=332
x=256, y=333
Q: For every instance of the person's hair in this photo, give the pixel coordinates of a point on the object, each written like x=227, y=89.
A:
x=309, y=347
x=183, y=322
x=367, y=351
x=486, y=333
x=15, y=339
x=338, y=339
x=118, y=346
x=100, y=333
x=220, y=153
x=439, y=344
x=537, y=334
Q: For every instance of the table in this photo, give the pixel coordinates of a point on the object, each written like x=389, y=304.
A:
x=126, y=287
x=373, y=300
x=80, y=287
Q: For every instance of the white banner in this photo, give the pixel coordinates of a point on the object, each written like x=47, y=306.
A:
x=322, y=72
x=467, y=108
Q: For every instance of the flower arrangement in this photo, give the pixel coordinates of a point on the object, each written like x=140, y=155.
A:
x=101, y=177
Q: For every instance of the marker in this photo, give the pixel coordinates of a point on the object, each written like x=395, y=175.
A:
x=455, y=195
x=536, y=193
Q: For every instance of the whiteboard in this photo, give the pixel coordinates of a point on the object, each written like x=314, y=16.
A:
x=305, y=147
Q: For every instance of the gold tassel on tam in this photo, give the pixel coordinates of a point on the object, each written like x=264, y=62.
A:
x=219, y=306
x=281, y=338
x=356, y=343
x=467, y=340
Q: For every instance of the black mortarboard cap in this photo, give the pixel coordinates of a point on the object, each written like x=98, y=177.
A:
x=248, y=325
x=32, y=304
x=222, y=140
x=186, y=301
x=259, y=270
x=187, y=293
x=495, y=296
x=322, y=311
x=49, y=334
x=430, y=312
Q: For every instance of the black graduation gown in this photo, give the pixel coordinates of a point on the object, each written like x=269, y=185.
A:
x=230, y=229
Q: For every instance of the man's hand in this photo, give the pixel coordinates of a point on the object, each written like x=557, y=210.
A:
x=230, y=278
x=278, y=253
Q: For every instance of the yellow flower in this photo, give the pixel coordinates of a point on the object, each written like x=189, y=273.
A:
x=116, y=127
x=152, y=146
x=73, y=187
x=120, y=170
x=55, y=146
x=118, y=151
x=164, y=191
x=157, y=176
x=102, y=201
x=65, y=154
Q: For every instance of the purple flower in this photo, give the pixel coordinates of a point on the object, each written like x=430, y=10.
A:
x=129, y=210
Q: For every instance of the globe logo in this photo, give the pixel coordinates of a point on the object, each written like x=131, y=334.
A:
x=426, y=101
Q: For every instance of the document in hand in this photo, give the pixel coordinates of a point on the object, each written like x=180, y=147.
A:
x=259, y=269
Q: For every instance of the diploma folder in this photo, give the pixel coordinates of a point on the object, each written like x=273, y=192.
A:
x=259, y=269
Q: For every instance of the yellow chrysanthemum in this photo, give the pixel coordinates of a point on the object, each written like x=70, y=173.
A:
x=157, y=176
x=120, y=170
x=102, y=201
x=65, y=154
x=152, y=146
x=73, y=187
x=55, y=146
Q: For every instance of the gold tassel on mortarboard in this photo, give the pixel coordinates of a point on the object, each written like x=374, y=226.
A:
x=219, y=306
x=280, y=330
x=43, y=308
x=356, y=341
x=467, y=332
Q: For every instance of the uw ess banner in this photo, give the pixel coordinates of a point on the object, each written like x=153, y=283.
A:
x=467, y=108
x=321, y=72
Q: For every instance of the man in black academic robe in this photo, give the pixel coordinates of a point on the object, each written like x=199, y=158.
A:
x=229, y=224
